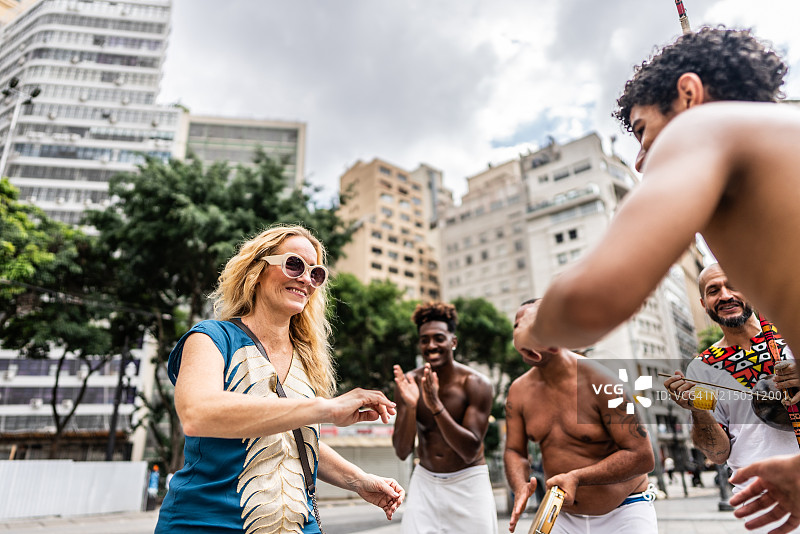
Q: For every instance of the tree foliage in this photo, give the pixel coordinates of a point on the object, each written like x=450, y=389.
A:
x=372, y=331
x=708, y=336
x=171, y=228
x=54, y=298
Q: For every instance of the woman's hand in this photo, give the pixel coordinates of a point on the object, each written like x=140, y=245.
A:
x=383, y=492
x=358, y=405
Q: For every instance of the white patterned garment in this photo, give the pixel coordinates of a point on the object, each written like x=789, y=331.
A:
x=252, y=485
x=273, y=493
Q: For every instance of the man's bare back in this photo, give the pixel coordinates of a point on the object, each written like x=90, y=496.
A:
x=551, y=416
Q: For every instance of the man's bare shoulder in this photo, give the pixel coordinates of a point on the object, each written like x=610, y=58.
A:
x=473, y=378
x=729, y=124
x=524, y=379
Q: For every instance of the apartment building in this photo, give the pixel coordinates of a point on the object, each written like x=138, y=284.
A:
x=27, y=423
x=93, y=70
x=523, y=222
x=392, y=240
x=483, y=242
x=236, y=140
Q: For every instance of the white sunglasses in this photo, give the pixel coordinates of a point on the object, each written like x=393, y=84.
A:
x=295, y=266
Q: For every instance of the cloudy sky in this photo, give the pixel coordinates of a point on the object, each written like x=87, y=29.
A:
x=455, y=84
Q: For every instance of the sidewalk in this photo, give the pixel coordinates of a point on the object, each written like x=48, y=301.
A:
x=696, y=514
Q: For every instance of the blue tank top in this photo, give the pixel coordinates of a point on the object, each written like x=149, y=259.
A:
x=242, y=485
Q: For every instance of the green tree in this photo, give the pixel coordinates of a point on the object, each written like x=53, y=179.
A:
x=53, y=299
x=171, y=229
x=708, y=336
x=372, y=331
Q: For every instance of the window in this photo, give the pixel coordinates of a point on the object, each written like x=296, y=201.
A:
x=377, y=266
x=405, y=217
x=543, y=179
x=520, y=264
x=385, y=170
x=386, y=211
x=518, y=245
x=404, y=204
x=402, y=177
x=560, y=175
x=582, y=167
x=376, y=250
x=501, y=232
x=393, y=255
x=408, y=259
x=392, y=239
x=573, y=234
x=559, y=237
x=386, y=197
x=376, y=234
x=408, y=274
x=468, y=259
x=562, y=258
x=416, y=200
x=386, y=225
x=393, y=270
x=484, y=254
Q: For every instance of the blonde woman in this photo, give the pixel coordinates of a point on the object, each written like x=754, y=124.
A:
x=242, y=471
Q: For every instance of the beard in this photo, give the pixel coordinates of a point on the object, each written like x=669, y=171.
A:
x=732, y=322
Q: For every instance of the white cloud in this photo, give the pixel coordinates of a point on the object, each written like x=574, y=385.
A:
x=455, y=84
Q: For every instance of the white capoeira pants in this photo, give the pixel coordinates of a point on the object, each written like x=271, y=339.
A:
x=461, y=502
x=635, y=518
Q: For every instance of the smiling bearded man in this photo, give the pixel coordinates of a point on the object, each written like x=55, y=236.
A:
x=733, y=431
x=445, y=404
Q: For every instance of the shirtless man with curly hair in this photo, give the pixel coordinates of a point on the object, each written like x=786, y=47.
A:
x=445, y=406
x=720, y=158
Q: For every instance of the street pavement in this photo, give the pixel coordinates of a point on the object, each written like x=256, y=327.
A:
x=695, y=514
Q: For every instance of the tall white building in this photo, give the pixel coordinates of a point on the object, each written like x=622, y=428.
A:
x=525, y=221
x=98, y=67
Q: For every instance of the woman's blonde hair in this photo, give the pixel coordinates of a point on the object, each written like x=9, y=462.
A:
x=309, y=330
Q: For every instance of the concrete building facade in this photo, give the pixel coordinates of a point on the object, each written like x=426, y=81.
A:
x=27, y=422
x=524, y=222
x=236, y=140
x=392, y=239
x=97, y=66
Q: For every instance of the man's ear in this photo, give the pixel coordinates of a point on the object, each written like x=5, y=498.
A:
x=690, y=91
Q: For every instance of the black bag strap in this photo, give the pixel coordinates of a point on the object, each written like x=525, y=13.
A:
x=298, y=436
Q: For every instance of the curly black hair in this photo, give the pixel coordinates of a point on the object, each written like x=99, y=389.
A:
x=436, y=311
x=732, y=64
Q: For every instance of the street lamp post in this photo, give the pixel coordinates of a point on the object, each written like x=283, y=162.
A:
x=22, y=99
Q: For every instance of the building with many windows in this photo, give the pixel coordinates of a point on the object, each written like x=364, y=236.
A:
x=96, y=67
x=236, y=141
x=392, y=240
x=525, y=221
x=27, y=421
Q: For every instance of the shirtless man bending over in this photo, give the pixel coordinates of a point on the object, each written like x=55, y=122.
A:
x=599, y=456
